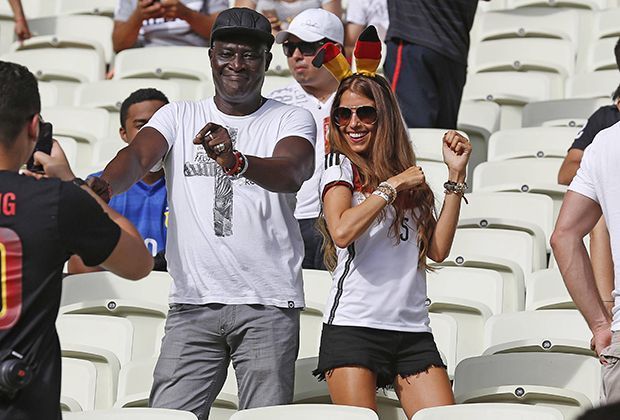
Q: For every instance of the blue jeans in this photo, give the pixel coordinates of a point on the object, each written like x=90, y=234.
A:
x=200, y=341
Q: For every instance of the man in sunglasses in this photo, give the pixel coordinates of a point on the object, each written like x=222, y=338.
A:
x=233, y=164
x=314, y=90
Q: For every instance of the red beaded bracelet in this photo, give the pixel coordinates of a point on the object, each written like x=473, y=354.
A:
x=238, y=166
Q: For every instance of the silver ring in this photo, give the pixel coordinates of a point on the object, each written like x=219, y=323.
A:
x=219, y=148
x=210, y=136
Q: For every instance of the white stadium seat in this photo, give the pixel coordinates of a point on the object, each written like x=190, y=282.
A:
x=75, y=65
x=545, y=289
x=470, y=296
x=560, y=24
x=91, y=7
x=105, y=341
x=538, y=54
x=110, y=94
x=528, y=175
x=556, y=331
x=513, y=245
x=589, y=4
x=561, y=113
x=600, y=55
x=531, y=213
x=132, y=414
x=77, y=31
x=306, y=412
x=489, y=411
x=143, y=303
x=163, y=62
x=535, y=142
x=568, y=382
x=79, y=383
x=598, y=84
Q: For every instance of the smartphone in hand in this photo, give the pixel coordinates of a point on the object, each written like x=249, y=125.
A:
x=44, y=144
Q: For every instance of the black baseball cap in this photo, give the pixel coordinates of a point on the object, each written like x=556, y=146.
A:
x=242, y=21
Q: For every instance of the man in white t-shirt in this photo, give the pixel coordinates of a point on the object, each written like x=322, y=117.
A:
x=595, y=190
x=314, y=90
x=146, y=23
x=233, y=164
x=360, y=14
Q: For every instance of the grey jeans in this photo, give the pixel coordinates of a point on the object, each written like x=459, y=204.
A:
x=611, y=370
x=201, y=340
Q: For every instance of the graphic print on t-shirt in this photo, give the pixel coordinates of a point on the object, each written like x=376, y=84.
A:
x=203, y=165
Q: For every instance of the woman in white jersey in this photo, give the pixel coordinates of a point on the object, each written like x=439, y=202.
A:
x=379, y=222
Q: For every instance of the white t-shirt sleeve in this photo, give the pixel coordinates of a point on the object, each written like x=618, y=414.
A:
x=124, y=9
x=338, y=171
x=357, y=12
x=584, y=181
x=165, y=121
x=298, y=122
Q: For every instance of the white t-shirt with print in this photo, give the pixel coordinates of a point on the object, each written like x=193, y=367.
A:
x=308, y=203
x=230, y=241
x=369, y=12
x=159, y=32
x=598, y=178
x=377, y=282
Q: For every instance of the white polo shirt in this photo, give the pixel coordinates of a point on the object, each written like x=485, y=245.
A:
x=598, y=178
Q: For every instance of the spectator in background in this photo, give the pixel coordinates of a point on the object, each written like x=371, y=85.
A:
x=600, y=248
x=594, y=191
x=145, y=23
x=282, y=12
x=360, y=14
x=426, y=63
x=145, y=204
x=43, y=220
x=313, y=89
x=21, y=24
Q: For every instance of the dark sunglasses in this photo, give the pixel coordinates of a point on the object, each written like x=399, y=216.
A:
x=365, y=113
x=306, y=48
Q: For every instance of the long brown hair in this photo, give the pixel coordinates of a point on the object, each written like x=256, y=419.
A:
x=391, y=153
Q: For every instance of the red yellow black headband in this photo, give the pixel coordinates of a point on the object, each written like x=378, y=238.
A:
x=367, y=56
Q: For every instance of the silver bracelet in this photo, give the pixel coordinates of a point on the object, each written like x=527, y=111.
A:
x=381, y=194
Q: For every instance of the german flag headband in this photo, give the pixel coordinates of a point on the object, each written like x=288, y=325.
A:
x=367, y=55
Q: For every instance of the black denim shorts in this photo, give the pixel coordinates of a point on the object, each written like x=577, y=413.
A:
x=386, y=353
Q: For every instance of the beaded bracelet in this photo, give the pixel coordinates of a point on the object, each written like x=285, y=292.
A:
x=240, y=166
x=451, y=187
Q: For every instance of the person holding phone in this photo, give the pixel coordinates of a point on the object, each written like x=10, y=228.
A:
x=146, y=23
x=44, y=218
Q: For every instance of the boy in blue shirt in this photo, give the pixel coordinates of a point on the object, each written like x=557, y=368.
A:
x=145, y=204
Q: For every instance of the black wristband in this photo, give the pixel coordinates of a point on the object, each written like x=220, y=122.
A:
x=78, y=182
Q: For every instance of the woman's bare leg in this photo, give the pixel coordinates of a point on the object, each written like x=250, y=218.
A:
x=426, y=389
x=353, y=385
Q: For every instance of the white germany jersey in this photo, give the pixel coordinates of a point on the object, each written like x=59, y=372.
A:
x=377, y=282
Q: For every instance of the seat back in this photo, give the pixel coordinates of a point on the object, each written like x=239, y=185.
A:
x=558, y=331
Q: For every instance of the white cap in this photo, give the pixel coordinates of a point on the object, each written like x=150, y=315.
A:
x=312, y=25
